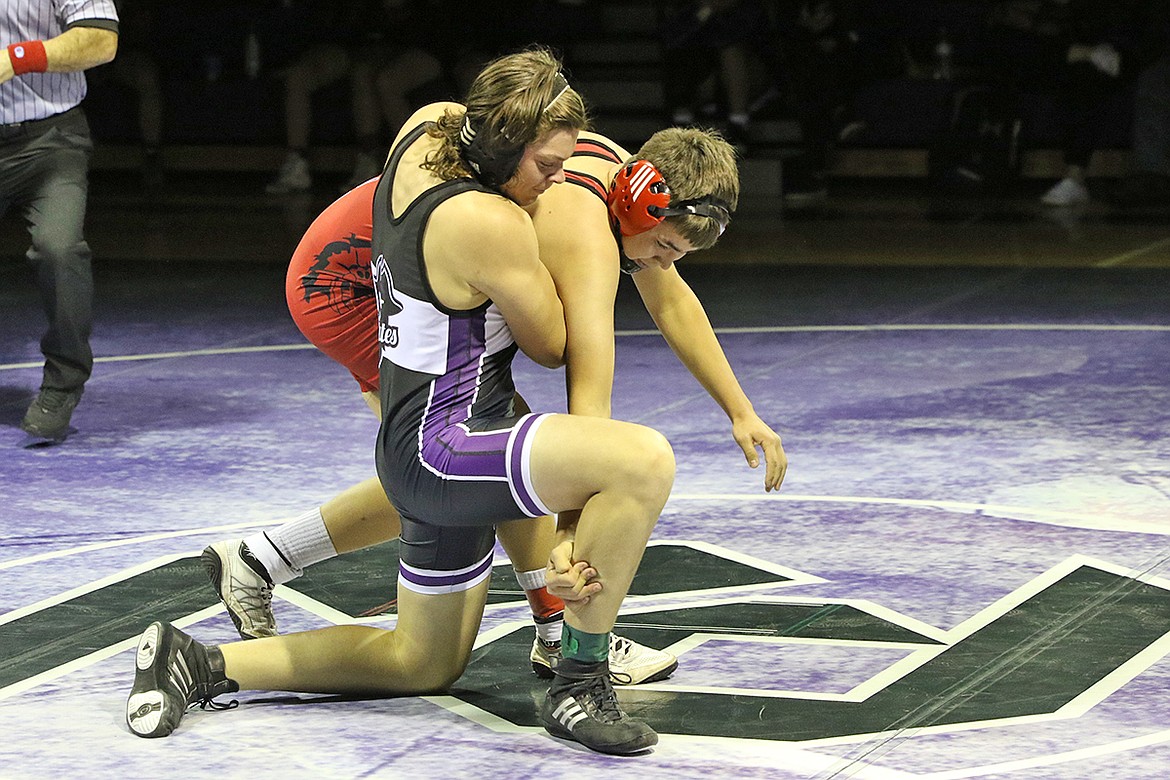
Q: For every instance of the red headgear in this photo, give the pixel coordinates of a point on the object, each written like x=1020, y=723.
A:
x=639, y=199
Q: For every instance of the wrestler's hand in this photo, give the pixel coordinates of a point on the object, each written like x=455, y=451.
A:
x=573, y=582
x=751, y=432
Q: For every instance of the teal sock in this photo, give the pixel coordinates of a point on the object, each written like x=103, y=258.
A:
x=584, y=647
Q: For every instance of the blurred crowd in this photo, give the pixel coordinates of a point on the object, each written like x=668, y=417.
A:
x=1101, y=69
x=728, y=60
x=385, y=57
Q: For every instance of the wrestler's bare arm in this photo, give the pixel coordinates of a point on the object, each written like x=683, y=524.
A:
x=680, y=316
x=579, y=250
x=479, y=246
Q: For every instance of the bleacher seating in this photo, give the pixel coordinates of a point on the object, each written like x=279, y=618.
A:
x=235, y=123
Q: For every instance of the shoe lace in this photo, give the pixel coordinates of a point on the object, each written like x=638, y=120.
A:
x=264, y=596
x=603, y=701
x=209, y=703
x=203, y=692
x=254, y=598
x=619, y=653
x=51, y=399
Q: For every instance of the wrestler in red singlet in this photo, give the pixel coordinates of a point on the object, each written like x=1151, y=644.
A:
x=328, y=287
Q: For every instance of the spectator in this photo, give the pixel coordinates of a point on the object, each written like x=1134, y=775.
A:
x=715, y=51
x=388, y=67
x=484, y=30
x=44, y=167
x=1149, y=180
x=137, y=68
x=817, y=41
x=1081, y=50
x=379, y=47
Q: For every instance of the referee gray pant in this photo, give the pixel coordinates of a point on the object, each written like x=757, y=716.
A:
x=44, y=169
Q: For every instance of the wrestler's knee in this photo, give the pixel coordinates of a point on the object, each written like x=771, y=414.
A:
x=428, y=673
x=652, y=459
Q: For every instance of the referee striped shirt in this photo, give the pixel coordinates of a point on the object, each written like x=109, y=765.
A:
x=40, y=95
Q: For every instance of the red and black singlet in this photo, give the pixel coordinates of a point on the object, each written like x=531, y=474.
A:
x=592, y=148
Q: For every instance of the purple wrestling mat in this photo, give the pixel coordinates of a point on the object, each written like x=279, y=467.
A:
x=964, y=576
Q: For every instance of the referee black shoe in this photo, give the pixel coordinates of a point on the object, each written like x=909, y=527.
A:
x=172, y=673
x=581, y=705
x=49, y=414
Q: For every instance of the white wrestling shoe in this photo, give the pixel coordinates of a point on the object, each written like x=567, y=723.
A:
x=629, y=662
x=245, y=591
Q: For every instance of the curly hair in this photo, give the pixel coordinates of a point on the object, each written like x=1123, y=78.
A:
x=519, y=98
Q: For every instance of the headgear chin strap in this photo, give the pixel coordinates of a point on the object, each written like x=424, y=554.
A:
x=639, y=199
x=490, y=153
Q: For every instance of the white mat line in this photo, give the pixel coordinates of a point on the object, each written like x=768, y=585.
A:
x=1055, y=327
x=1110, y=262
x=964, y=507
x=176, y=354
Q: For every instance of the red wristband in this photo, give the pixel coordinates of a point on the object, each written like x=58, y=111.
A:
x=28, y=57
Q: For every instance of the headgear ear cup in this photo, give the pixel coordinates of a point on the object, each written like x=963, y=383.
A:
x=493, y=158
x=637, y=197
x=490, y=153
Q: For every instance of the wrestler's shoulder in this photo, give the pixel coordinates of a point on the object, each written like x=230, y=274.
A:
x=589, y=137
x=481, y=213
x=431, y=112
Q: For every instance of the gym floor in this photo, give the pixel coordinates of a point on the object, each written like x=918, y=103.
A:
x=965, y=574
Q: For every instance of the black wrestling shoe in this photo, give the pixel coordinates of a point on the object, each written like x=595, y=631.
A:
x=582, y=706
x=173, y=672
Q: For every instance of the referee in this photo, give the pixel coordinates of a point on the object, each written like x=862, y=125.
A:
x=44, y=162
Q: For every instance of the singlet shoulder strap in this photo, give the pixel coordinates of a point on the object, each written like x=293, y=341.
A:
x=432, y=195
x=592, y=148
x=591, y=183
x=399, y=150
x=588, y=147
